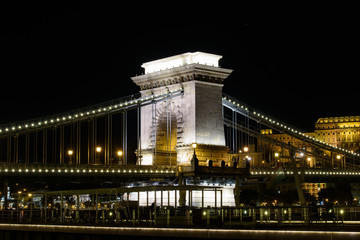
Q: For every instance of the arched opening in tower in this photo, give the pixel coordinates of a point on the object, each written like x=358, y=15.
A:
x=166, y=139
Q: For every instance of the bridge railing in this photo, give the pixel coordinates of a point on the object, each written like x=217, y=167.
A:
x=23, y=169
x=224, y=217
x=306, y=171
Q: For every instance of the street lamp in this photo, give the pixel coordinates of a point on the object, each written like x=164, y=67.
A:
x=246, y=149
x=70, y=153
x=194, y=145
x=309, y=161
x=98, y=151
x=120, y=153
x=194, y=161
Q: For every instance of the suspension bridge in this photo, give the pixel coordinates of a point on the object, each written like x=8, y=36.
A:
x=179, y=142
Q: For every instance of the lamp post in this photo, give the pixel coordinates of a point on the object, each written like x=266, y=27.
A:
x=31, y=205
x=70, y=153
x=194, y=145
x=341, y=160
x=194, y=161
x=277, y=159
x=120, y=153
x=309, y=162
x=98, y=150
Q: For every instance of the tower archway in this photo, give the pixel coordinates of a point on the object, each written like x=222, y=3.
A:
x=167, y=131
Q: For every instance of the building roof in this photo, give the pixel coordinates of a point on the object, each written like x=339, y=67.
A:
x=338, y=119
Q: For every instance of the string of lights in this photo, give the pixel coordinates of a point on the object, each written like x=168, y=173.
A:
x=123, y=104
x=269, y=121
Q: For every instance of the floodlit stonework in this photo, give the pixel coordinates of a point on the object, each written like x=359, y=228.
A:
x=168, y=128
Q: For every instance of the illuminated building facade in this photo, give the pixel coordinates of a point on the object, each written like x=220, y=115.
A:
x=341, y=132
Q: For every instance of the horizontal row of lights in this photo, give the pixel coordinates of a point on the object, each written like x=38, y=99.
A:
x=46, y=170
x=306, y=172
x=291, y=129
x=81, y=114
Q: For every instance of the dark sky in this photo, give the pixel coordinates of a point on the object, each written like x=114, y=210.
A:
x=294, y=62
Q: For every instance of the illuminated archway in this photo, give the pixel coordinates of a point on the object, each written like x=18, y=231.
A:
x=168, y=132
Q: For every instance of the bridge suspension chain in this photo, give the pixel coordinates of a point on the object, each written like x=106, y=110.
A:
x=118, y=105
x=282, y=127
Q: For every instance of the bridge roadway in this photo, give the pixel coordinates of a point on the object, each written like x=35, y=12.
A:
x=151, y=171
x=65, y=170
x=310, y=173
x=39, y=176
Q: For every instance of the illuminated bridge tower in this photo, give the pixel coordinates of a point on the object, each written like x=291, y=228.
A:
x=169, y=128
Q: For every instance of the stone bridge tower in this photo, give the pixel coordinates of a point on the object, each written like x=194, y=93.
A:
x=169, y=128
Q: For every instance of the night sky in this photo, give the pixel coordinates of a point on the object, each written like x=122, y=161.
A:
x=294, y=62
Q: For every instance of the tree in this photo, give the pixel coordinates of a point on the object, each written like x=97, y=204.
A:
x=338, y=194
x=289, y=197
x=248, y=197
